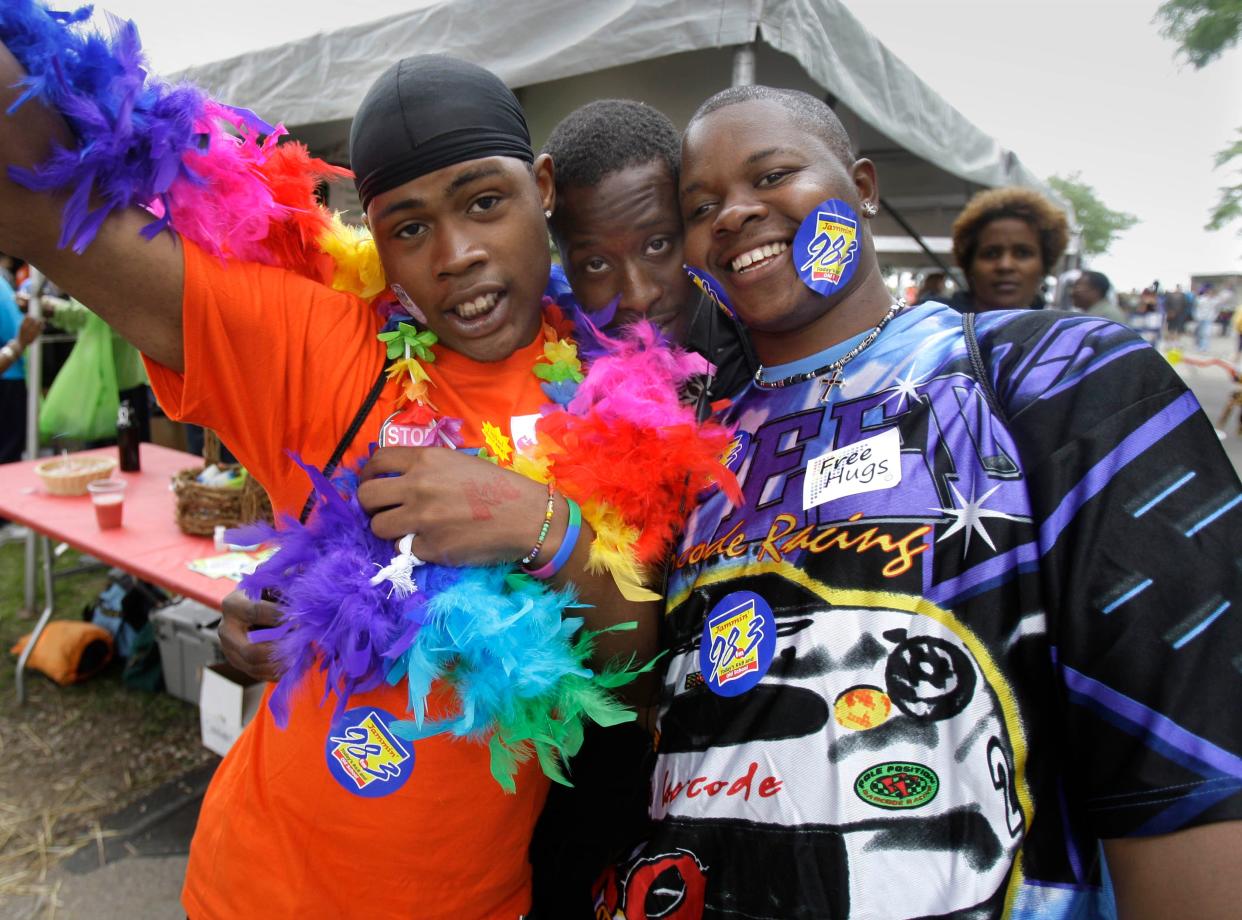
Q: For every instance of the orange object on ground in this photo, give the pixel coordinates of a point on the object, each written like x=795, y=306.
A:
x=299, y=822
x=68, y=651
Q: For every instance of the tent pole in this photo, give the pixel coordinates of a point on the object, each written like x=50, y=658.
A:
x=744, y=65
x=914, y=235
x=34, y=383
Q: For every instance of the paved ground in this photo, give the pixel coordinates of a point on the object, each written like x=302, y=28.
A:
x=1214, y=388
x=135, y=873
x=138, y=872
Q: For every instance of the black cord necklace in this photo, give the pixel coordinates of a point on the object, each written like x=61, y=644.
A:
x=833, y=369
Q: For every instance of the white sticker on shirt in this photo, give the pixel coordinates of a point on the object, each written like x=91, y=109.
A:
x=522, y=428
x=866, y=466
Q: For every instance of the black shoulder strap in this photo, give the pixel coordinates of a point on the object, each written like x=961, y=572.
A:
x=978, y=369
x=342, y=446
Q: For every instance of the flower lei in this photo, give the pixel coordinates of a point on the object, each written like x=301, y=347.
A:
x=616, y=439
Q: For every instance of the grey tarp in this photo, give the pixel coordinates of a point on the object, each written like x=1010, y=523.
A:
x=670, y=53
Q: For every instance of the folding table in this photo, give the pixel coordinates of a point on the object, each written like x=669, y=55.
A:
x=148, y=545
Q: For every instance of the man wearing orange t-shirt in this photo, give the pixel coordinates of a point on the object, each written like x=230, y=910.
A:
x=273, y=362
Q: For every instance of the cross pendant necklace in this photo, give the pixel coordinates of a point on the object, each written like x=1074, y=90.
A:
x=835, y=379
x=835, y=371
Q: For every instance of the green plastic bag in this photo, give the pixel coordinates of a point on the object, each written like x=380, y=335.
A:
x=82, y=401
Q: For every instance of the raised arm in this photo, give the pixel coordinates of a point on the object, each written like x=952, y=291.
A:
x=135, y=285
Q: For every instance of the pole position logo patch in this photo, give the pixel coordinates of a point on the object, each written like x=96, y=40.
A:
x=897, y=786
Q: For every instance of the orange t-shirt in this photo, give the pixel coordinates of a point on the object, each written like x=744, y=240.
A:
x=293, y=825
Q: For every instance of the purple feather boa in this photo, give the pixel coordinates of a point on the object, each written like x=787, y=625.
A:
x=339, y=620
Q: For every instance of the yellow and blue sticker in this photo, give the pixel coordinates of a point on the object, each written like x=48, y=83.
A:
x=739, y=640
x=826, y=246
x=734, y=454
x=365, y=756
x=711, y=287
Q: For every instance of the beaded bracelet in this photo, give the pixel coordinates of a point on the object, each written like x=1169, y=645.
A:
x=568, y=543
x=543, y=531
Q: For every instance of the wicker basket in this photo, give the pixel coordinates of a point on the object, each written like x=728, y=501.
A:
x=202, y=508
x=70, y=475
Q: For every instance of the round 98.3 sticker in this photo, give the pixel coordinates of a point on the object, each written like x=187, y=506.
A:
x=825, y=248
x=739, y=640
x=365, y=756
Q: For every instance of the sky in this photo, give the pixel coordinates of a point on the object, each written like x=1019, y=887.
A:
x=1084, y=86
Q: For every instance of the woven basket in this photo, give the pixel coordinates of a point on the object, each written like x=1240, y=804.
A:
x=70, y=475
x=201, y=508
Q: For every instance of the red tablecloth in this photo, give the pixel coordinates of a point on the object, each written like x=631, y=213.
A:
x=148, y=544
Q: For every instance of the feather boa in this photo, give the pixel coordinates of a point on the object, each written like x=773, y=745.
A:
x=214, y=173
x=501, y=639
x=627, y=450
x=634, y=455
x=627, y=442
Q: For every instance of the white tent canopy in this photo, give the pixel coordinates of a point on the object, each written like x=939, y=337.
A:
x=672, y=54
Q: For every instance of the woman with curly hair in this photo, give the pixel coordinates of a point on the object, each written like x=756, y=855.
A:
x=1005, y=241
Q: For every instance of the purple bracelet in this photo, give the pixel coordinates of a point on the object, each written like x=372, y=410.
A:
x=567, y=543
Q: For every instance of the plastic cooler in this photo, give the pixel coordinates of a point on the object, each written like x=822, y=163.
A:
x=186, y=632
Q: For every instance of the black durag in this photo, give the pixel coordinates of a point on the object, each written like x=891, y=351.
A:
x=428, y=112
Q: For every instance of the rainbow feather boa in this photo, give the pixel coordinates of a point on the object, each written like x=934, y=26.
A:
x=501, y=639
x=216, y=174
x=632, y=455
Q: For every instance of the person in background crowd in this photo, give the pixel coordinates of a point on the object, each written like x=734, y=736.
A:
x=934, y=287
x=1207, y=307
x=1150, y=317
x=1128, y=303
x=1225, y=316
x=8, y=270
x=18, y=332
x=1236, y=322
x=1090, y=295
x=1006, y=240
x=1177, y=313
x=131, y=377
x=1046, y=670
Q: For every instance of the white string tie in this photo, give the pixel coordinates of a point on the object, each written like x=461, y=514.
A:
x=400, y=570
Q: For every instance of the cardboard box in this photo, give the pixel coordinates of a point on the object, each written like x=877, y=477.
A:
x=186, y=632
x=229, y=700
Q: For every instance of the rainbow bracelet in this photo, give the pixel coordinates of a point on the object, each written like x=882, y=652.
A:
x=530, y=557
x=568, y=543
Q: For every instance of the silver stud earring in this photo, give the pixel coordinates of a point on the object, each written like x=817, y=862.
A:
x=547, y=213
x=408, y=302
x=869, y=209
